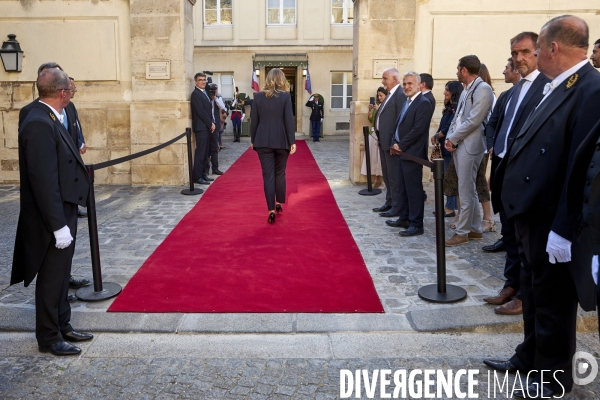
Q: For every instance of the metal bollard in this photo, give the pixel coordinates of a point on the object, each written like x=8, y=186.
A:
x=100, y=291
x=369, y=191
x=191, y=190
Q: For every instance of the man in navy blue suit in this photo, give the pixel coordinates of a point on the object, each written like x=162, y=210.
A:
x=411, y=137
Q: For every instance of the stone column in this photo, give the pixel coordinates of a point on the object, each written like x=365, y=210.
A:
x=161, y=30
x=384, y=30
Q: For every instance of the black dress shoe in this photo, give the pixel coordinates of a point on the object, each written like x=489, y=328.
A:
x=203, y=182
x=531, y=392
x=206, y=178
x=383, y=208
x=501, y=365
x=71, y=298
x=494, y=248
x=217, y=172
x=78, y=283
x=412, y=231
x=397, y=223
x=80, y=213
x=389, y=214
x=77, y=336
x=61, y=349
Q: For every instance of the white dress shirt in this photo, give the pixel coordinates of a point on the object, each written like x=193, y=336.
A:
x=527, y=82
x=58, y=115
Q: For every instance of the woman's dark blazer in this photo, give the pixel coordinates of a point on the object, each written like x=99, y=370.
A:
x=272, y=121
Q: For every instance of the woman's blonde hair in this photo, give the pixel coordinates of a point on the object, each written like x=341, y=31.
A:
x=275, y=83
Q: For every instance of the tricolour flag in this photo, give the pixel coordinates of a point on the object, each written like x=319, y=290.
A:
x=307, y=85
x=255, y=85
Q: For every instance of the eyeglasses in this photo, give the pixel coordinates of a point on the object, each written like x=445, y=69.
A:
x=68, y=90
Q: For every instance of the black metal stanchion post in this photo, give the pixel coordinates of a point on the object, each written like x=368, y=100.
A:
x=369, y=191
x=100, y=291
x=441, y=293
x=191, y=190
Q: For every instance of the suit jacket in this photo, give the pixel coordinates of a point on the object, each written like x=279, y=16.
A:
x=494, y=122
x=217, y=115
x=475, y=109
x=530, y=101
x=202, y=111
x=583, y=188
x=272, y=121
x=413, y=130
x=51, y=173
x=23, y=112
x=316, y=110
x=74, y=125
x=388, y=117
x=534, y=172
x=430, y=97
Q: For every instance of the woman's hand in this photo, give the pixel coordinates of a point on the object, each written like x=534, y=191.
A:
x=251, y=146
x=293, y=148
x=434, y=139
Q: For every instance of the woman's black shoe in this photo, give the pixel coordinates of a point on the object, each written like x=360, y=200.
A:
x=278, y=208
x=271, y=217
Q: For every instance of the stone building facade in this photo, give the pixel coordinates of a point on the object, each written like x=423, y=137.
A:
x=110, y=46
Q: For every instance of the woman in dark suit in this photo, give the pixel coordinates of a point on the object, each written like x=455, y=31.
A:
x=272, y=135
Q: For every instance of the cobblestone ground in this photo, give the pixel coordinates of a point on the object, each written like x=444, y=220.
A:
x=133, y=221
x=184, y=378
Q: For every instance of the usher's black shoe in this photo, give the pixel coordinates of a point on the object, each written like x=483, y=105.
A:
x=412, y=231
x=388, y=214
x=271, y=217
x=382, y=209
x=397, y=223
x=203, y=181
x=61, y=349
x=78, y=283
x=278, y=208
x=494, y=248
x=77, y=336
x=217, y=172
x=501, y=365
x=206, y=178
x=531, y=392
x=71, y=298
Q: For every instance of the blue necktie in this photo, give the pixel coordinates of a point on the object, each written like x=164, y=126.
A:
x=402, y=113
x=510, y=114
x=65, y=121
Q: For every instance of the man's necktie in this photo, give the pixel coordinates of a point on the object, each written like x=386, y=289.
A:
x=65, y=122
x=507, y=122
x=402, y=113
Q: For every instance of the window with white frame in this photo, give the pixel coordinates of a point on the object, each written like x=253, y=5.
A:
x=342, y=11
x=281, y=12
x=341, y=89
x=217, y=12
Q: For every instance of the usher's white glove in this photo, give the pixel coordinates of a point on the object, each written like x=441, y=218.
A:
x=595, y=268
x=321, y=119
x=243, y=116
x=63, y=237
x=558, y=248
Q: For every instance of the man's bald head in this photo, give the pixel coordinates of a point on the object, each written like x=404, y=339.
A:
x=390, y=78
x=568, y=30
x=50, y=82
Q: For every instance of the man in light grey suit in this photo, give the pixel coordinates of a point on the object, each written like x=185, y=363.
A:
x=466, y=139
x=385, y=127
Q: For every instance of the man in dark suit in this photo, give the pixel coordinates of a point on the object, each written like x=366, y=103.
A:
x=213, y=141
x=520, y=101
x=73, y=283
x=595, y=57
x=531, y=179
x=583, y=198
x=316, y=116
x=203, y=124
x=411, y=138
x=54, y=181
x=385, y=128
x=425, y=87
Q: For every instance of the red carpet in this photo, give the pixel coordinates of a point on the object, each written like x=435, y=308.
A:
x=223, y=256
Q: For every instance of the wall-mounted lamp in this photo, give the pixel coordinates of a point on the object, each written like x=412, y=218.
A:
x=303, y=71
x=257, y=71
x=11, y=54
